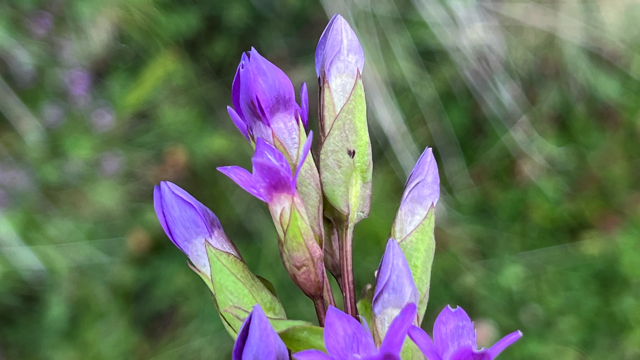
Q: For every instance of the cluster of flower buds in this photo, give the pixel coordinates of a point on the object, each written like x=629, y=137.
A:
x=315, y=205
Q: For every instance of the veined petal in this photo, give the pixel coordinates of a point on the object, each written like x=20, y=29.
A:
x=392, y=343
x=453, y=330
x=505, y=342
x=424, y=343
x=344, y=336
x=311, y=355
x=243, y=178
x=271, y=171
x=238, y=122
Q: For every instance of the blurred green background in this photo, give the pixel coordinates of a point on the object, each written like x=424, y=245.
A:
x=533, y=109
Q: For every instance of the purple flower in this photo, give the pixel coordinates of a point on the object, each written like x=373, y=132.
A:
x=346, y=339
x=40, y=23
x=454, y=338
x=78, y=83
x=339, y=59
x=257, y=340
x=264, y=102
x=421, y=192
x=272, y=174
x=395, y=288
x=189, y=224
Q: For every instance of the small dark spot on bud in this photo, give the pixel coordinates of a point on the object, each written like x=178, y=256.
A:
x=351, y=153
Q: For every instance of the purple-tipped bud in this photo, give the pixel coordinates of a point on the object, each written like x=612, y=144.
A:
x=420, y=193
x=258, y=340
x=272, y=174
x=189, y=224
x=339, y=59
x=455, y=338
x=395, y=288
x=264, y=102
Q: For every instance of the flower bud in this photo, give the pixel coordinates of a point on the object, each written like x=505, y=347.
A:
x=394, y=290
x=415, y=221
x=339, y=59
x=258, y=340
x=189, y=224
x=345, y=154
x=264, y=104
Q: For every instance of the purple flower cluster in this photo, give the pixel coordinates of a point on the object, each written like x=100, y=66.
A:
x=285, y=177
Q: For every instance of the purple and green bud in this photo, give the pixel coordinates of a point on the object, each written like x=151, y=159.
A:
x=394, y=290
x=258, y=340
x=339, y=59
x=264, y=107
x=273, y=182
x=345, y=153
x=189, y=224
x=346, y=338
x=454, y=338
x=415, y=221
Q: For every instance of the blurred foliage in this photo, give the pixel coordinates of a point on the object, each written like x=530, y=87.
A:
x=533, y=110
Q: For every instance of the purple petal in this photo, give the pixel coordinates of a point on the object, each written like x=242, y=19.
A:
x=339, y=57
x=238, y=122
x=453, y=330
x=505, y=342
x=303, y=156
x=236, y=87
x=243, y=178
x=469, y=353
x=421, y=191
x=344, y=336
x=271, y=171
x=392, y=343
x=311, y=355
x=424, y=343
x=257, y=340
x=189, y=224
x=395, y=287
x=304, y=105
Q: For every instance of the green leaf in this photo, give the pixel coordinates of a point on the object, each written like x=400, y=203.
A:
x=234, y=286
x=345, y=159
x=303, y=337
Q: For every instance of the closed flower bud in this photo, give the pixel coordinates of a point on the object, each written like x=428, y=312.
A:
x=258, y=340
x=415, y=221
x=339, y=59
x=395, y=288
x=189, y=224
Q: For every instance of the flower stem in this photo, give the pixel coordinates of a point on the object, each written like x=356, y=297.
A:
x=321, y=310
x=345, y=234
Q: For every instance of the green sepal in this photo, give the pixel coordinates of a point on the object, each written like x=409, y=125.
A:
x=365, y=306
x=345, y=158
x=234, y=286
x=410, y=351
x=303, y=337
x=419, y=248
x=301, y=253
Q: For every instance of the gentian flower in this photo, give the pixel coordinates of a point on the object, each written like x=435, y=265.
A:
x=272, y=178
x=421, y=193
x=346, y=339
x=339, y=59
x=395, y=288
x=454, y=338
x=273, y=182
x=257, y=340
x=264, y=104
x=189, y=224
